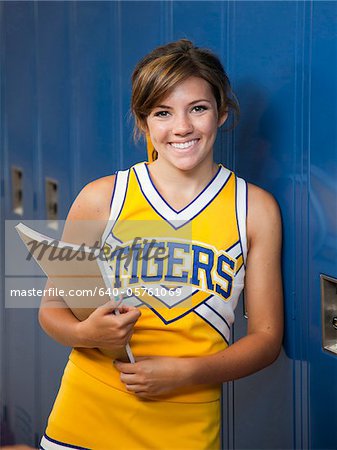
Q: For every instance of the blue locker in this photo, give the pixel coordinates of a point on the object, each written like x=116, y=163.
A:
x=263, y=40
x=65, y=98
x=53, y=78
x=206, y=25
x=322, y=220
x=94, y=92
x=55, y=164
x=281, y=156
x=19, y=141
x=263, y=36
x=202, y=22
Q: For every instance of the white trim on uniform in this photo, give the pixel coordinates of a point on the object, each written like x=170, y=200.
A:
x=117, y=201
x=224, y=309
x=214, y=319
x=241, y=211
x=51, y=444
x=235, y=251
x=190, y=211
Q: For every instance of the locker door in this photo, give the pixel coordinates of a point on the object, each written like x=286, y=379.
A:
x=19, y=105
x=94, y=68
x=322, y=242
x=263, y=42
x=55, y=166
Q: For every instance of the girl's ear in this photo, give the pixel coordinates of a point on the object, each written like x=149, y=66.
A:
x=222, y=119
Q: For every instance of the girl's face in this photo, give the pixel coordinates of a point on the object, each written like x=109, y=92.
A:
x=183, y=127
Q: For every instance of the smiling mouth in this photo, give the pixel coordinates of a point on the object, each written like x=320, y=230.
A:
x=183, y=145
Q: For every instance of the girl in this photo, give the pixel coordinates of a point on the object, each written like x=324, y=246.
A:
x=215, y=233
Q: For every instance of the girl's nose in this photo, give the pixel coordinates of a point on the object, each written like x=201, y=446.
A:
x=182, y=125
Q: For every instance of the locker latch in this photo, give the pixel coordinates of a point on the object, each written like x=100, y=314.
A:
x=329, y=313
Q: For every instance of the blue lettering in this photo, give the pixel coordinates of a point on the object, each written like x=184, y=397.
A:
x=172, y=261
x=120, y=254
x=158, y=261
x=135, y=251
x=224, y=260
x=199, y=265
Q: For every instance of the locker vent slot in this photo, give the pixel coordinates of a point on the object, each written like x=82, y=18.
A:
x=52, y=208
x=17, y=191
x=329, y=313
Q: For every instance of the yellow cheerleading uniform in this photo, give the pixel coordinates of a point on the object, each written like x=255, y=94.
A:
x=185, y=270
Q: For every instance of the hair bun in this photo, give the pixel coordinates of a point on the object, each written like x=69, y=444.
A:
x=185, y=45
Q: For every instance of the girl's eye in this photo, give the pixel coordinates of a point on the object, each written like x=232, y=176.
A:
x=161, y=114
x=200, y=108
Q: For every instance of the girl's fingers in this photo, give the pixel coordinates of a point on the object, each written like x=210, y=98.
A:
x=124, y=367
x=128, y=379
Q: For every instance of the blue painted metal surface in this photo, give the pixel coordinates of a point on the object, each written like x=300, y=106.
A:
x=65, y=92
x=53, y=81
x=322, y=242
x=19, y=141
x=262, y=58
x=2, y=237
x=94, y=93
x=54, y=160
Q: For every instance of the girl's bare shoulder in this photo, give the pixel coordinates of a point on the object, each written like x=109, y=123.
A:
x=263, y=211
x=93, y=201
x=89, y=213
x=260, y=198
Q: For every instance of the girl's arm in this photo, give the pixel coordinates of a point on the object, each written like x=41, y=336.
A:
x=263, y=295
x=85, y=224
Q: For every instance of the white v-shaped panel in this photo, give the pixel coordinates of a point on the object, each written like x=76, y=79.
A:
x=179, y=218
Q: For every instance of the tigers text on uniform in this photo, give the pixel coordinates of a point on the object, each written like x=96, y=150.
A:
x=164, y=261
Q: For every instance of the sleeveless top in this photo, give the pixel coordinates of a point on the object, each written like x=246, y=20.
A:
x=185, y=270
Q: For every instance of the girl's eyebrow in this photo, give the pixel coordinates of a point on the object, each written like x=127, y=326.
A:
x=199, y=101
x=192, y=103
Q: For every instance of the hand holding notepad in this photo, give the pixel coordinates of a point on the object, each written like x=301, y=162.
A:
x=75, y=269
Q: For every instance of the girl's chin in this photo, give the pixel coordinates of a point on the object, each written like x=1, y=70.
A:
x=185, y=164
x=184, y=160
x=192, y=161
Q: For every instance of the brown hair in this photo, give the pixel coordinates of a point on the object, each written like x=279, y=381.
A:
x=161, y=70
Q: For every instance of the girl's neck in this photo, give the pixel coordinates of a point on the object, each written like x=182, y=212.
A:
x=179, y=187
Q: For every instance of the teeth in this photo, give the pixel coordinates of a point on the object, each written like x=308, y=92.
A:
x=183, y=144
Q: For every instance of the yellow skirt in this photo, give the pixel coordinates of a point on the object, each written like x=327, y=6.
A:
x=90, y=414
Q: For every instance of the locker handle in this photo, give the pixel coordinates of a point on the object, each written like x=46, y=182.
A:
x=329, y=313
x=334, y=323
